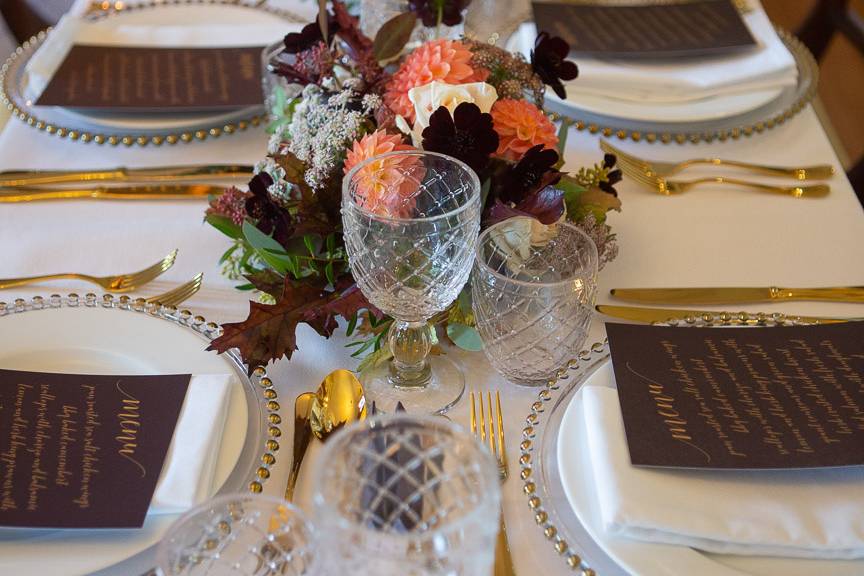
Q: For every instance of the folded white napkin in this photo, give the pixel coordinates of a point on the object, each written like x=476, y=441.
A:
x=71, y=30
x=768, y=66
x=187, y=475
x=789, y=513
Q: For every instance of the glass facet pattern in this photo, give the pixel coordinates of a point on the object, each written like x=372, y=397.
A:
x=411, y=221
x=533, y=296
x=239, y=535
x=406, y=495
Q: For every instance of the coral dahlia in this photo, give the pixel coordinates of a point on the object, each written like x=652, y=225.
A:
x=445, y=60
x=382, y=186
x=520, y=126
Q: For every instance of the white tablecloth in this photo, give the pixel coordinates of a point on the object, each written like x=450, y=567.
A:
x=710, y=237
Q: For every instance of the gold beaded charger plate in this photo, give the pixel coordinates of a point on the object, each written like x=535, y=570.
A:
x=142, y=129
x=559, y=486
x=109, y=335
x=712, y=119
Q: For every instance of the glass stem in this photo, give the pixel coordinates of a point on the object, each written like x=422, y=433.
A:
x=410, y=343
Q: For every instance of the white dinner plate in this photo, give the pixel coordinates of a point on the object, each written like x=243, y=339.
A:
x=626, y=108
x=712, y=108
x=215, y=15
x=651, y=559
x=100, y=340
x=140, y=127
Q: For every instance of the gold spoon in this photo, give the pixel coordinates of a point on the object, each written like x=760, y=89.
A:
x=302, y=435
x=339, y=400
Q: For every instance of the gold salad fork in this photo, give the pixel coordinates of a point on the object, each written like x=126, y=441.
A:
x=494, y=437
x=118, y=283
x=664, y=169
x=179, y=294
x=669, y=187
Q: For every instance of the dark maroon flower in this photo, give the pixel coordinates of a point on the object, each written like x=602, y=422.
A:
x=309, y=36
x=468, y=135
x=528, y=189
x=612, y=177
x=429, y=11
x=546, y=205
x=269, y=217
x=548, y=62
x=536, y=170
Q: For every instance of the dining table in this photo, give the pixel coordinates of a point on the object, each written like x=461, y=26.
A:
x=710, y=236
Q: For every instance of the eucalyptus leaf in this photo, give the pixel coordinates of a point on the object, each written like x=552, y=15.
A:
x=465, y=337
x=267, y=248
x=224, y=225
x=393, y=35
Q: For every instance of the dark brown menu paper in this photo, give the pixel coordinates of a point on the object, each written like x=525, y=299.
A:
x=151, y=79
x=658, y=30
x=786, y=397
x=80, y=451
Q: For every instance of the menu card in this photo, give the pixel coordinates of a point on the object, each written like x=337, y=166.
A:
x=155, y=79
x=79, y=451
x=655, y=30
x=784, y=397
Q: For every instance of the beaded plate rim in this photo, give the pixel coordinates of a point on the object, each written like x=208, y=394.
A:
x=571, y=377
x=257, y=381
x=130, y=138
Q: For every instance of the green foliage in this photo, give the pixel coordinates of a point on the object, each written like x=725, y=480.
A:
x=465, y=337
x=282, y=109
x=393, y=35
x=224, y=225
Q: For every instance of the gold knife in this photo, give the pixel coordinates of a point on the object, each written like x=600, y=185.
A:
x=639, y=314
x=163, y=192
x=13, y=178
x=734, y=295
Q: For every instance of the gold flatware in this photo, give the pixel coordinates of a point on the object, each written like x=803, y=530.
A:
x=117, y=283
x=160, y=192
x=179, y=294
x=13, y=178
x=663, y=169
x=302, y=437
x=339, y=400
x=669, y=187
x=491, y=433
x=651, y=315
x=735, y=295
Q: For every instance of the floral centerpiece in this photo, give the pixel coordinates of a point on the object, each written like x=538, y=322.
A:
x=346, y=98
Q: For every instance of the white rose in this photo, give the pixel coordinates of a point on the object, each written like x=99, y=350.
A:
x=429, y=97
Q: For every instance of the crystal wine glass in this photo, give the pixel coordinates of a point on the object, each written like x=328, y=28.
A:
x=408, y=495
x=411, y=221
x=238, y=535
x=533, y=294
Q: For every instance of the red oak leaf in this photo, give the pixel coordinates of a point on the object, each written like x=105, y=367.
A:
x=269, y=333
x=270, y=330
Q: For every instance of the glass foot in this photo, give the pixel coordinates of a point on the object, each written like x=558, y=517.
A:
x=443, y=391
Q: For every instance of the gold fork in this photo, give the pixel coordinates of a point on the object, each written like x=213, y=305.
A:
x=118, y=283
x=669, y=187
x=179, y=294
x=495, y=439
x=663, y=169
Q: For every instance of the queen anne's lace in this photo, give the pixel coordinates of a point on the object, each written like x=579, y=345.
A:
x=323, y=128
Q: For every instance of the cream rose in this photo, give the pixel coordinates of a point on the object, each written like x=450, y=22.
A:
x=429, y=97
